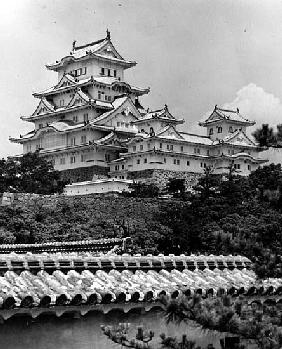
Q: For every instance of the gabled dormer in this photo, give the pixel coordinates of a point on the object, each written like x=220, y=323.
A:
x=169, y=132
x=44, y=107
x=80, y=98
x=157, y=120
x=121, y=117
x=223, y=122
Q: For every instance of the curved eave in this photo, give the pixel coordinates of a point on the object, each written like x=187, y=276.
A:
x=69, y=110
x=135, y=90
x=241, y=156
x=207, y=123
x=70, y=59
x=172, y=121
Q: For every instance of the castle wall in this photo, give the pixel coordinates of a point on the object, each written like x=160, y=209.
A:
x=84, y=173
x=161, y=177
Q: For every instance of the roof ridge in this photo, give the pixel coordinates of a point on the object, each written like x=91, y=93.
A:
x=229, y=110
x=193, y=134
x=75, y=48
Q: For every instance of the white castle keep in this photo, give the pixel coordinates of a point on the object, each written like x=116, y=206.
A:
x=92, y=125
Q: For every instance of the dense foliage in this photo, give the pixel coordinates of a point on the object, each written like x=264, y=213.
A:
x=29, y=174
x=257, y=324
x=233, y=215
x=267, y=137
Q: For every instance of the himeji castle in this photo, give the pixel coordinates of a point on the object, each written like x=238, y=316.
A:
x=92, y=125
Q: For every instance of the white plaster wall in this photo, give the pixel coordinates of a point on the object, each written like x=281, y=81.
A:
x=93, y=67
x=225, y=129
x=95, y=188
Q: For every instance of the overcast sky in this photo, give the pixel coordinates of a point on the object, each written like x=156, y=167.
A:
x=193, y=54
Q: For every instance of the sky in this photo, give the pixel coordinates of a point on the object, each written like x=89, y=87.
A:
x=192, y=54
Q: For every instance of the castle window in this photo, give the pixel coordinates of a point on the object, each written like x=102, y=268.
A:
x=138, y=161
x=219, y=129
x=145, y=161
x=82, y=157
x=100, y=95
x=249, y=167
x=165, y=160
x=117, y=167
x=230, y=129
x=83, y=139
x=181, y=148
x=178, y=162
x=72, y=159
x=107, y=157
x=134, y=148
x=72, y=141
x=188, y=163
x=74, y=118
x=208, y=152
x=161, y=145
x=149, y=146
x=115, y=73
x=141, y=146
x=211, y=131
x=62, y=161
x=85, y=117
x=108, y=98
x=102, y=71
x=122, y=167
x=118, y=124
x=174, y=161
x=62, y=102
x=84, y=70
x=40, y=125
x=237, y=166
x=109, y=72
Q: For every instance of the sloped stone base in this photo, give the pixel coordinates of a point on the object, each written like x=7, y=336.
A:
x=82, y=174
x=161, y=177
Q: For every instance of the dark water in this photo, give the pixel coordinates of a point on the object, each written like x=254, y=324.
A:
x=85, y=333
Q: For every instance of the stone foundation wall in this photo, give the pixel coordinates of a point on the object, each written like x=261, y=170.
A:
x=161, y=177
x=82, y=174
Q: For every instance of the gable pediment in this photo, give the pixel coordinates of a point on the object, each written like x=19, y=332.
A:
x=79, y=99
x=124, y=113
x=241, y=138
x=109, y=50
x=43, y=107
x=66, y=80
x=170, y=132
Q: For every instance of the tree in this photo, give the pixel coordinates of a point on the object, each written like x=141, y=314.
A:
x=143, y=190
x=30, y=174
x=265, y=136
x=208, y=183
x=176, y=186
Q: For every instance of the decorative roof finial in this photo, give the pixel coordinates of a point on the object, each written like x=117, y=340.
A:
x=166, y=107
x=73, y=44
x=108, y=34
x=238, y=110
x=215, y=107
